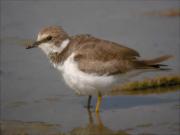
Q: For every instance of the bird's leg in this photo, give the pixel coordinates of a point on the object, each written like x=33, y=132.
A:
x=91, y=121
x=99, y=121
x=89, y=102
x=99, y=99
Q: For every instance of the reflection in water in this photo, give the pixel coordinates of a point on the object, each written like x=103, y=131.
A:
x=94, y=127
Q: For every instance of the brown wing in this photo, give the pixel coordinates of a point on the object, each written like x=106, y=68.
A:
x=103, y=47
x=104, y=57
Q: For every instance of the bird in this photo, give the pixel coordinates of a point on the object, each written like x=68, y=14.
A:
x=92, y=66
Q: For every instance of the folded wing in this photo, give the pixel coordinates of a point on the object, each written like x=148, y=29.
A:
x=104, y=57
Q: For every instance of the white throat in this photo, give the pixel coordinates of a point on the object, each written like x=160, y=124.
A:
x=51, y=48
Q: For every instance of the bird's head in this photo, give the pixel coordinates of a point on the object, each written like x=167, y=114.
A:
x=50, y=39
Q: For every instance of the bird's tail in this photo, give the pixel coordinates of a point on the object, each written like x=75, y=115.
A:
x=155, y=63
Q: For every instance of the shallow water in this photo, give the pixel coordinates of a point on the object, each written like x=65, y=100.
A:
x=34, y=98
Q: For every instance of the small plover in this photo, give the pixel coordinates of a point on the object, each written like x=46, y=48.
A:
x=89, y=65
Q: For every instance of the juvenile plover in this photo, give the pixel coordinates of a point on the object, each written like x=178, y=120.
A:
x=89, y=65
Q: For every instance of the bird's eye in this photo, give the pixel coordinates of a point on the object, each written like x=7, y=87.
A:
x=49, y=38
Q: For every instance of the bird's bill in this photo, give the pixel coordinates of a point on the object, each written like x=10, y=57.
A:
x=35, y=44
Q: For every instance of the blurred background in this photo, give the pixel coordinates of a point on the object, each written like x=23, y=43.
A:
x=34, y=97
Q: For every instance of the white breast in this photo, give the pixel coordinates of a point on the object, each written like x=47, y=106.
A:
x=83, y=83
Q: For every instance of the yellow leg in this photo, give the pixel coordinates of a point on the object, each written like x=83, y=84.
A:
x=99, y=99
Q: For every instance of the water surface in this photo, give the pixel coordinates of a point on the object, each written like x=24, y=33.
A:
x=34, y=98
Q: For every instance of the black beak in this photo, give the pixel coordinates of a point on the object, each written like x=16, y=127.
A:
x=37, y=43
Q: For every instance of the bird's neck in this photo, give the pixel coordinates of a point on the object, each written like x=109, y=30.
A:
x=57, y=54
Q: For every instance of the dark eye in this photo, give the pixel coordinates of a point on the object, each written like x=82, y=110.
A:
x=49, y=38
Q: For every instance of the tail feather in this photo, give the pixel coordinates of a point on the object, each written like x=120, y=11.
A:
x=157, y=60
x=160, y=67
x=154, y=63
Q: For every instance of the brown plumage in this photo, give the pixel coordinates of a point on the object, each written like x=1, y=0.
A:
x=103, y=57
x=57, y=34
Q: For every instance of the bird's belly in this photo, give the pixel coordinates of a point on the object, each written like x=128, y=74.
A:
x=84, y=83
x=91, y=84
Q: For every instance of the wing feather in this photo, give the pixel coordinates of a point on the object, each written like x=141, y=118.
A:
x=104, y=57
